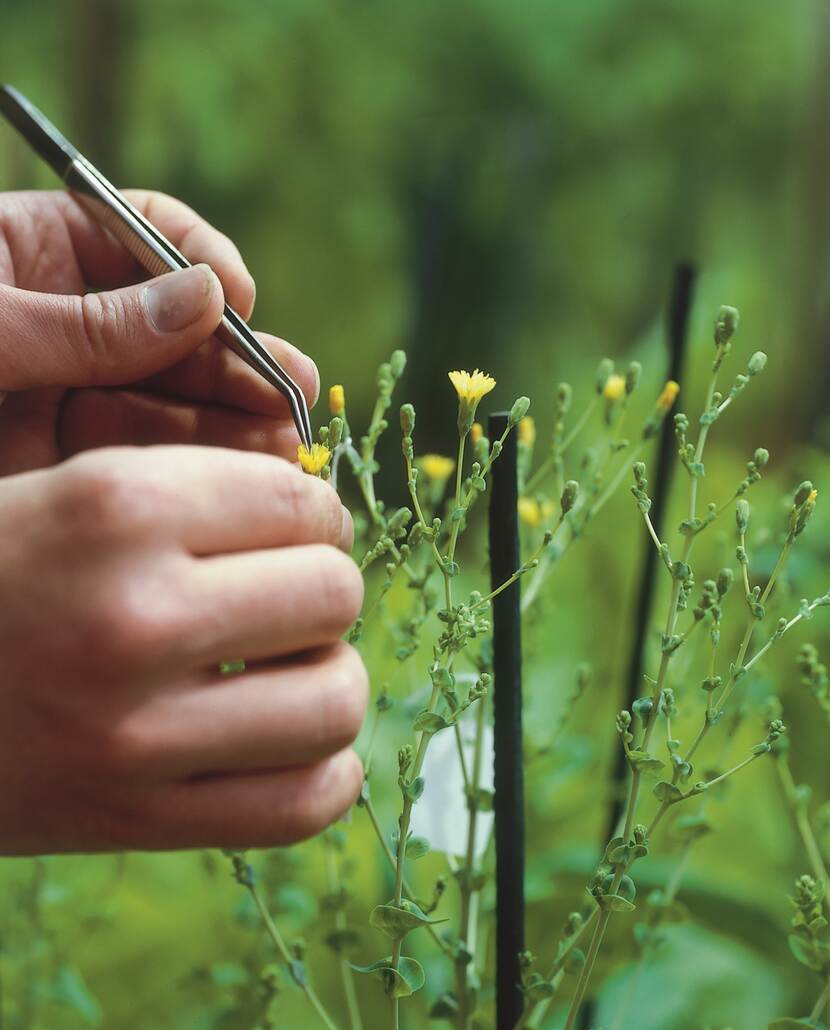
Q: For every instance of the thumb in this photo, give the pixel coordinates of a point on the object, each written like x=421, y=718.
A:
x=104, y=339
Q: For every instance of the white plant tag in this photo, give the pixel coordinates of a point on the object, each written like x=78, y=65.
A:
x=441, y=813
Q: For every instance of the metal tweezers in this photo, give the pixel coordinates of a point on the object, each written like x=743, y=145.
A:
x=146, y=244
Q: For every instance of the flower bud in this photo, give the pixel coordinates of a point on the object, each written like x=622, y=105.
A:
x=604, y=370
x=757, y=363
x=527, y=431
x=337, y=400
x=742, y=515
x=726, y=324
x=563, y=397
x=518, y=411
x=569, y=495
x=407, y=419
x=614, y=387
x=725, y=577
x=632, y=376
x=397, y=363
x=802, y=493
x=476, y=433
x=761, y=457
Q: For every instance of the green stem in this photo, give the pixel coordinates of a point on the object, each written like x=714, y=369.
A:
x=286, y=956
x=821, y=1001
x=466, y=878
x=531, y=1020
x=802, y=822
x=340, y=923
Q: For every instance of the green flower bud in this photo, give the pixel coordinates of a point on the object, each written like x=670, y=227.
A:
x=604, y=370
x=407, y=419
x=802, y=493
x=632, y=376
x=726, y=324
x=725, y=577
x=518, y=411
x=742, y=515
x=761, y=457
x=397, y=363
x=757, y=363
x=563, y=397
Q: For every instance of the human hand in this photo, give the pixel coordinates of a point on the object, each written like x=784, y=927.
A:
x=136, y=365
x=126, y=576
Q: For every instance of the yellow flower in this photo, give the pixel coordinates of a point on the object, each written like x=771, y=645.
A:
x=337, y=400
x=530, y=511
x=614, y=387
x=668, y=395
x=315, y=460
x=476, y=432
x=811, y=498
x=527, y=431
x=436, y=467
x=471, y=387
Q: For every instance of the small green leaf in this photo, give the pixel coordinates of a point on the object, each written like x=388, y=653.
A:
x=415, y=788
x=417, y=847
x=396, y=921
x=667, y=792
x=430, y=722
x=398, y=983
x=614, y=903
x=644, y=762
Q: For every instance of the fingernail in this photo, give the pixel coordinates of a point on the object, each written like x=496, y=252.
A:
x=347, y=532
x=178, y=299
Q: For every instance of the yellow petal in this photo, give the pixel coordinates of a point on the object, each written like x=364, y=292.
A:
x=315, y=460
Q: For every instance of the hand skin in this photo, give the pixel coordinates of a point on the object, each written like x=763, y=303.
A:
x=129, y=573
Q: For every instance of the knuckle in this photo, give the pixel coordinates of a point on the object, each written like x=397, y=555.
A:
x=98, y=493
x=103, y=317
x=340, y=586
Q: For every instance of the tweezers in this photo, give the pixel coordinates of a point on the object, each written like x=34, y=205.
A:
x=142, y=239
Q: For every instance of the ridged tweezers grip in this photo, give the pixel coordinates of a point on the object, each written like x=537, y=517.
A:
x=115, y=224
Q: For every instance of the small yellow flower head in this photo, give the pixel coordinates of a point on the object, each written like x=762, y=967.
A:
x=527, y=431
x=436, y=467
x=476, y=432
x=811, y=498
x=530, y=512
x=668, y=395
x=315, y=460
x=614, y=387
x=337, y=400
x=470, y=387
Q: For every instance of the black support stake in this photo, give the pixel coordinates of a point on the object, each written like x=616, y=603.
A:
x=508, y=803
x=677, y=327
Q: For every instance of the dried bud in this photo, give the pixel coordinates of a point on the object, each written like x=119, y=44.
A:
x=569, y=495
x=726, y=324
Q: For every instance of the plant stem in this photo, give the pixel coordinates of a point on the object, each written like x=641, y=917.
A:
x=531, y=1020
x=802, y=822
x=340, y=922
x=286, y=957
x=821, y=1001
x=466, y=878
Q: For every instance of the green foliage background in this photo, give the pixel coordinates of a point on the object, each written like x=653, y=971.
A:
x=488, y=183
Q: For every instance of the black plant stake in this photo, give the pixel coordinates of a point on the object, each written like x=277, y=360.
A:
x=508, y=802
x=677, y=326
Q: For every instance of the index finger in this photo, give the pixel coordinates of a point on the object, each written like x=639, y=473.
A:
x=212, y=500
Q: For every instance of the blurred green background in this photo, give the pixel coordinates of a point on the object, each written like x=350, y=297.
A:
x=490, y=183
